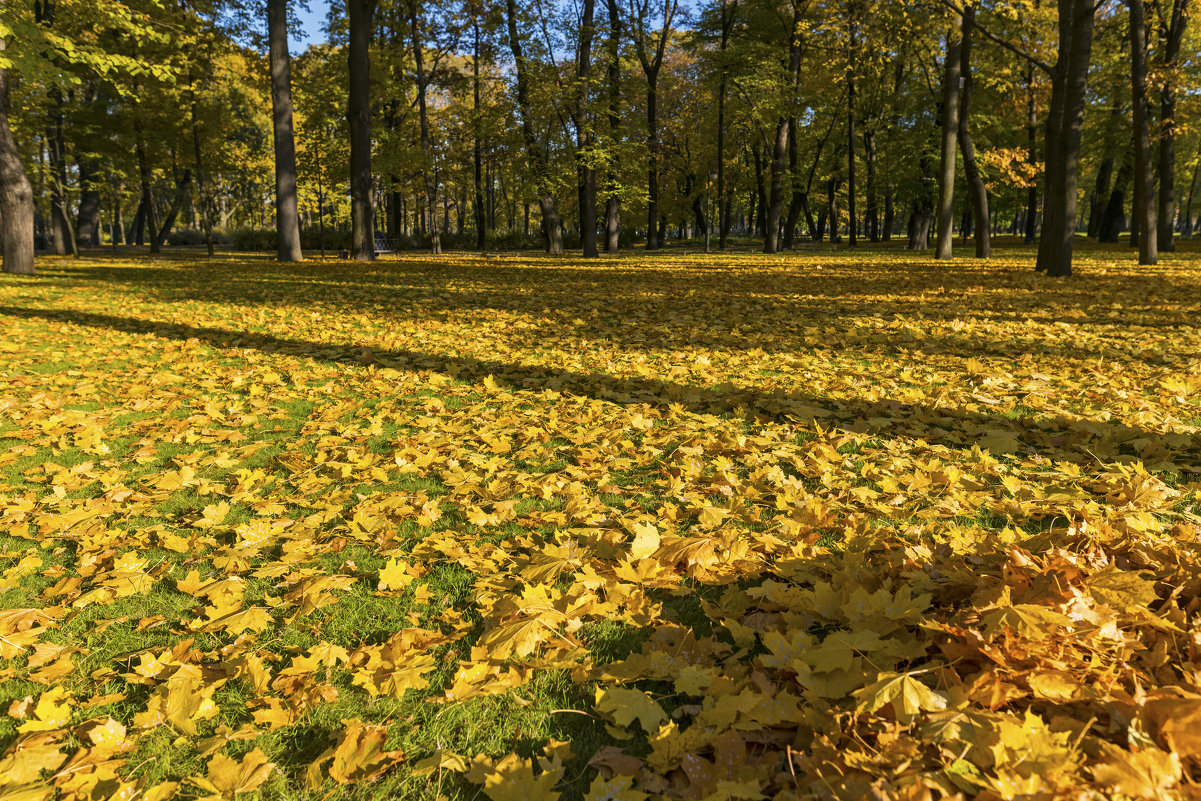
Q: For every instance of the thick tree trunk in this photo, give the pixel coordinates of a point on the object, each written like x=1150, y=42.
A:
x=584, y=137
x=359, y=113
x=1144, y=173
x=950, y=132
x=427, y=144
x=975, y=183
x=287, y=220
x=779, y=167
x=1069, y=83
x=16, y=194
x=794, y=202
x=728, y=10
x=552, y=228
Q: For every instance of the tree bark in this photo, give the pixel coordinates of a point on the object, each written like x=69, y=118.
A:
x=481, y=221
x=359, y=113
x=1069, y=82
x=852, y=53
x=16, y=193
x=147, y=222
x=872, y=210
x=950, y=132
x=1113, y=217
x=427, y=145
x=1144, y=174
x=975, y=183
x=1100, y=195
x=552, y=228
x=584, y=137
x=651, y=65
x=613, y=77
x=729, y=8
x=779, y=166
x=181, y=194
x=1171, y=35
x=88, y=222
x=287, y=220
x=203, y=201
x=1028, y=235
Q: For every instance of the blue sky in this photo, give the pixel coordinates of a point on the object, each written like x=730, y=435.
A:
x=311, y=22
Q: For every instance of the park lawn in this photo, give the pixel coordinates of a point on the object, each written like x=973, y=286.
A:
x=703, y=526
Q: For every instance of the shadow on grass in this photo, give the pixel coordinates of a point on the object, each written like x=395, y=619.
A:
x=1062, y=438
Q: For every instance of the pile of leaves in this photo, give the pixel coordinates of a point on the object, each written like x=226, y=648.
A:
x=827, y=526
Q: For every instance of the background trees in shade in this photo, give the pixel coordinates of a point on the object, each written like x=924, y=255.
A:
x=480, y=124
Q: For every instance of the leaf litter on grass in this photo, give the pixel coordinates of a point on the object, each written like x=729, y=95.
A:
x=727, y=528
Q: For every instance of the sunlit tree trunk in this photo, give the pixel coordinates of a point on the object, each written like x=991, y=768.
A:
x=359, y=113
x=1144, y=174
x=16, y=194
x=975, y=183
x=287, y=220
x=950, y=133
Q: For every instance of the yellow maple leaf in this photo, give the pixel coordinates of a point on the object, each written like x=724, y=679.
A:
x=624, y=706
x=394, y=575
x=227, y=777
x=513, y=779
x=907, y=695
x=52, y=711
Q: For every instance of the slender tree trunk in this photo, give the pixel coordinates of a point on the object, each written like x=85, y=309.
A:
x=287, y=220
x=729, y=8
x=1113, y=216
x=181, y=195
x=1099, y=196
x=118, y=231
x=584, y=137
x=1188, y=204
x=1069, y=84
x=1171, y=36
x=359, y=113
x=889, y=217
x=88, y=223
x=1028, y=235
x=613, y=76
x=950, y=132
x=975, y=183
x=427, y=144
x=147, y=222
x=1144, y=173
x=16, y=194
x=552, y=228
x=872, y=211
x=652, y=159
x=852, y=54
x=779, y=166
x=481, y=221
x=202, y=199
x=794, y=202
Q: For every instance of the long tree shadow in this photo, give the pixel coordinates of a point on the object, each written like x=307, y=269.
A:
x=1082, y=441
x=673, y=305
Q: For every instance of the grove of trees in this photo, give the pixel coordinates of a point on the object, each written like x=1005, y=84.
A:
x=477, y=123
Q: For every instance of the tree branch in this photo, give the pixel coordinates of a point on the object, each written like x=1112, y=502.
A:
x=1012, y=48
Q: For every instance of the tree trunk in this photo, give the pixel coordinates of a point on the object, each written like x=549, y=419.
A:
x=779, y=167
x=613, y=75
x=1100, y=195
x=852, y=217
x=975, y=183
x=427, y=144
x=481, y=221
x=88, y=223
x=1188, y=204
x=889, y=217
x=584, y=137
x=1069, y=83
x=1144, y=174
x=181, y=194
x=1113, y=217
x=950, y=132
x=147, y=223
x=872, y=210
x=1028, y=234
x=728, y=10
x=16, y=194
x=202, y=199
x=287, y=221
x=552, y=229
x=794, y=202
x=652, y=160
x=1171, y=35
x=359, y=112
